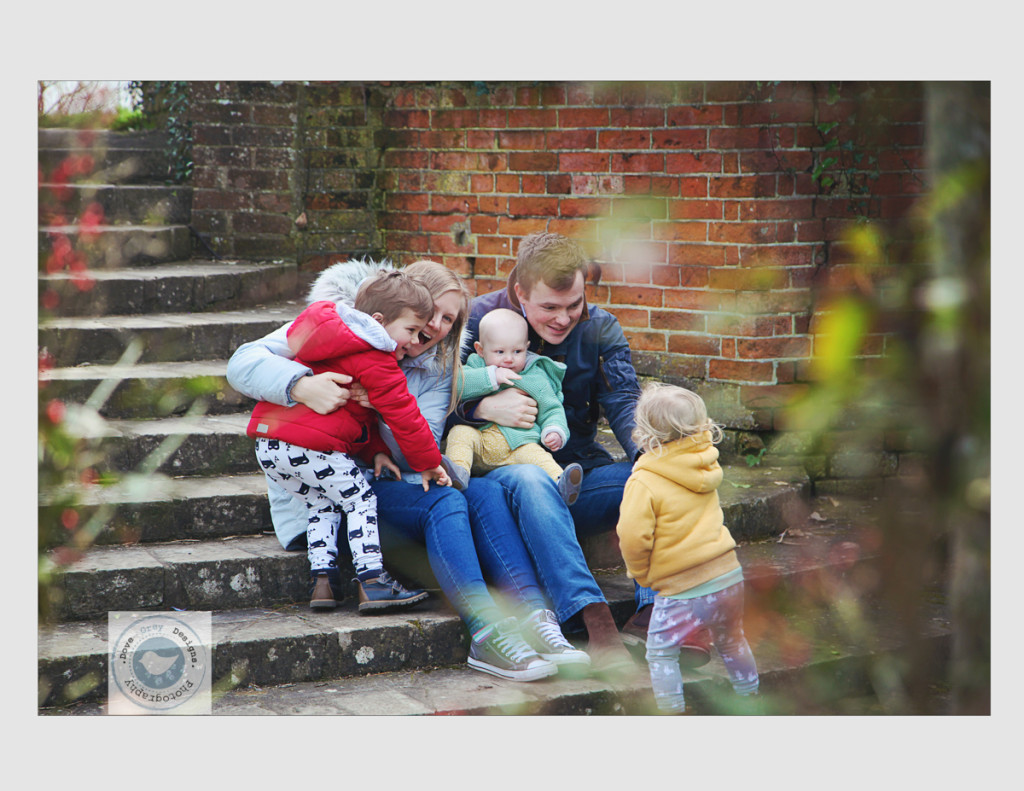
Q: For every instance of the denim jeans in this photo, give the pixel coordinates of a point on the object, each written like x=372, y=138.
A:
x=597, y=509
x=438, y=519
x=673, y=620
x=523, y=498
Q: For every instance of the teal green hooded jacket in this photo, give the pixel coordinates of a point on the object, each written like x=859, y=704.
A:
x=541, y=380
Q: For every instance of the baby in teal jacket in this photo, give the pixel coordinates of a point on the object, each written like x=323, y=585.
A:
x=502, y=359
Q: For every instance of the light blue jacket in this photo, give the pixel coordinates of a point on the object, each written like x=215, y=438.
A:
x=264, y=369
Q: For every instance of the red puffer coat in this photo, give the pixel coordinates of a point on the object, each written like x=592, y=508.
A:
x=325, y=342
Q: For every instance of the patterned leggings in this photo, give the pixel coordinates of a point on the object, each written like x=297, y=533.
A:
x=673, y=620
x=328, y=483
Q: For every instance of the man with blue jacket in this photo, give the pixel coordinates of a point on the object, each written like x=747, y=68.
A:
x=547, y=287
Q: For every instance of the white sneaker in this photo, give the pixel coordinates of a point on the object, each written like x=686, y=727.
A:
x=503, y=653
x=541, y=631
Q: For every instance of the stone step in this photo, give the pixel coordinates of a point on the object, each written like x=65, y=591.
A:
x=292, y=647
x=205, y=445
x=99, y=139
x=148, y=508
x=189, y=286
x=119, y=165
x=164, y=337
x=148, y=390
x=114, y=246
x=250, y=571
x=116, y=204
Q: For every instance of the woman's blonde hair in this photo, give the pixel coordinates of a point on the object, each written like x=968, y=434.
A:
x=439, y=280
x=665, y=413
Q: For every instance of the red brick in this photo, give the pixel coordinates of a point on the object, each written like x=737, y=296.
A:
x=539, y=119
x=559, y=183
x=707, y=162
x=624, y=138
x=407, y=119
x=507, y=182
x=637, y=116
x=740, y=371
x=571, y=118
x=552, y=94
x=534, y=160
x=583, y=162
x=735, y=138
x=521, y=140
x=533, y=183
x=406, y=159
x=396, y=221
x=775, y=209
x=693, y=187
x=692, y=209
x=677, y=321
x=482, y=224
x=692, y=300
x=481, y=182
x=680, y=138
x=668, y=276
x=408, y=202
x=742, y=186
x=493, y=119
x=692, y=276
x=461, y=204
x=514, y=226
x=584, y=207
x=696, y=345
x=645, y=341
x=454, y=119
x=741, y=232
x=439, y=222
x=776, y=255
x=681, y=231
x=631, y=317
x=771, y=348
x=532, y=207
x=573, y=139
x=627, y=295
x=708, y=115
x=573, y=228
x=638, y=163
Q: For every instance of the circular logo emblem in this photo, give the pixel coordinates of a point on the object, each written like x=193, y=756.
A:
x=159, y=662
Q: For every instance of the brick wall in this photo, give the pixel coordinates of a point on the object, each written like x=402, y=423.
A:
x=718, y=211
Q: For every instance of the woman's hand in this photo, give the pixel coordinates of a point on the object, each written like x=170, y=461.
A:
x=511, y=408
x=382, y=461
x=437, y=474
x=323, y=393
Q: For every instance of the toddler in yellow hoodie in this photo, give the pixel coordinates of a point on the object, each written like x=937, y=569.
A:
x=673, y=539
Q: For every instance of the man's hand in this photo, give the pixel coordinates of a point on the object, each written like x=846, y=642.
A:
x=437, y=474
x=552, y=441
x=511, y=408
x=323, y=393
x=381, y=461
x=505, y=376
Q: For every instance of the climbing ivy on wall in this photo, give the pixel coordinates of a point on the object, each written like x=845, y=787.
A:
x=166, y=104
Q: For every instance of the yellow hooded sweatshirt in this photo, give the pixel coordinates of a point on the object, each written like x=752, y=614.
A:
x=671, y=531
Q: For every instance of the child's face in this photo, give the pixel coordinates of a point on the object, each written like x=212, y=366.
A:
x=507, y=350
x=404, y=331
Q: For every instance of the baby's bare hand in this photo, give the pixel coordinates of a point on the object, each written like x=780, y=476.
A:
x=505, y=375
x=553, y=441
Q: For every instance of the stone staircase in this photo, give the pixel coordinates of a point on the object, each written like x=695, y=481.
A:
x=142, y=353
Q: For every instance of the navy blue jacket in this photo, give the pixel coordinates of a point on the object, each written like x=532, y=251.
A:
x=599, y=375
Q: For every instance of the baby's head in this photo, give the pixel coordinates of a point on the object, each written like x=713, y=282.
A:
x=665, y=413
x=400, y=304
x=503, y=339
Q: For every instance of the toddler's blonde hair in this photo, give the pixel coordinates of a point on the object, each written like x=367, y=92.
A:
x=665, y=413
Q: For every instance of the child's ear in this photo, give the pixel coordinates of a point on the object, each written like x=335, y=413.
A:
x=478, y=348
x=378, y=317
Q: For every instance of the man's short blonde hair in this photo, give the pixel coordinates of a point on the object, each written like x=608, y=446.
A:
x=551, y=258
x=665, y=413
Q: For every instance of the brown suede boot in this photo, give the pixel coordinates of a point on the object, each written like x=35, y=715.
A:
x=608, y=656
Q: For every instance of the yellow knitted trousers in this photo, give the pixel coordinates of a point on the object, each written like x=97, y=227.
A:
x=483, y=450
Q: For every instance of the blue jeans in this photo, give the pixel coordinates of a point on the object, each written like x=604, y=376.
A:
x=674, y=620
x=523, y=498
x=438, y=519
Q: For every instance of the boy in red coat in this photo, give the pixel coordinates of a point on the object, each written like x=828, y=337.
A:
x=309, y=454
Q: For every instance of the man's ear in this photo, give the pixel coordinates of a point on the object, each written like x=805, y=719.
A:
x=518, y=289
x=378, y=317
x=478, y=348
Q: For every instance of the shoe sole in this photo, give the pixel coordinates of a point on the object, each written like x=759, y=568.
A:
x=323, y=604
x=514, y=675
x=380, y=606
x=570, y=483
x=454, y=471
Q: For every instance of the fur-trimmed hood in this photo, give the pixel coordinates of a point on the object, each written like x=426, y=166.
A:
x=340, y=282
